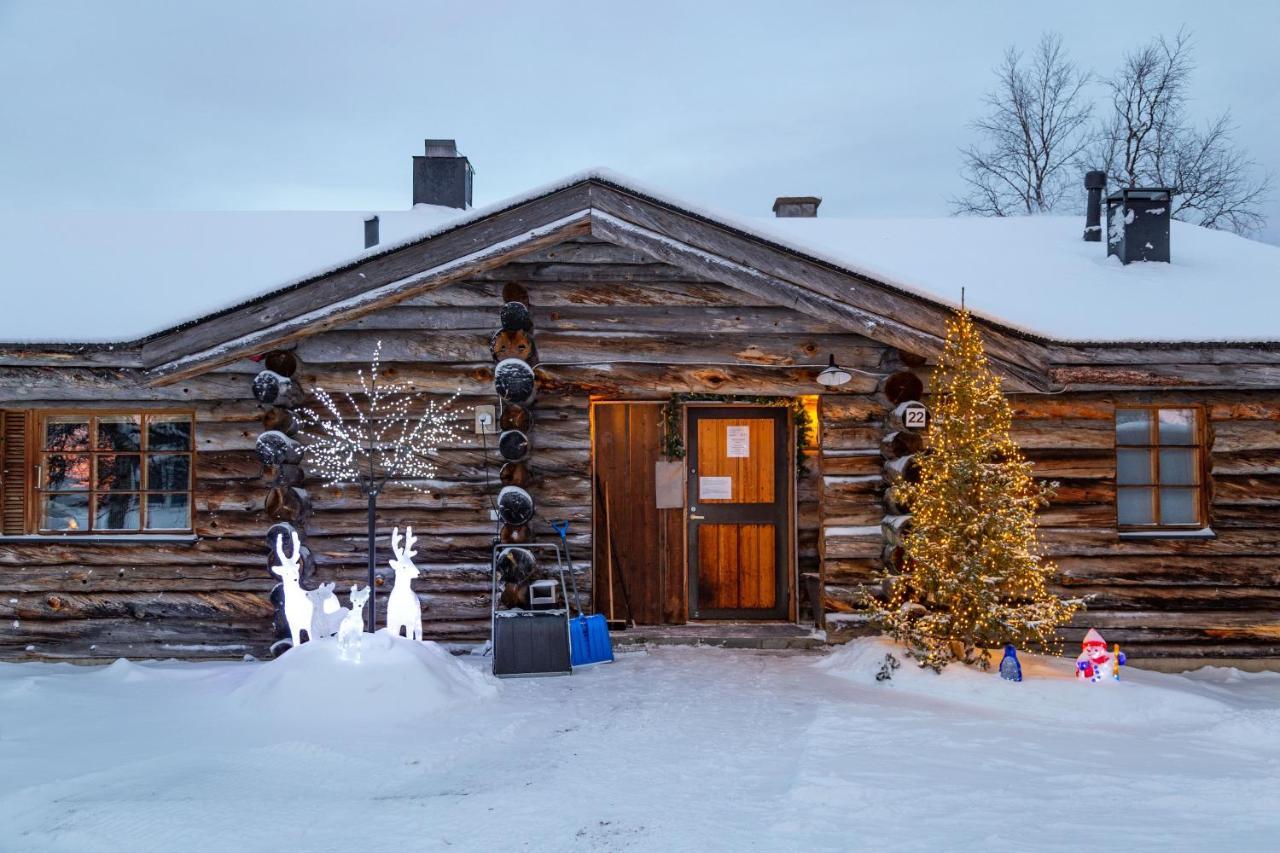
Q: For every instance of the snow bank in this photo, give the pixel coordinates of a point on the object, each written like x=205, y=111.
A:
x=1049, y=689
x=395, y=680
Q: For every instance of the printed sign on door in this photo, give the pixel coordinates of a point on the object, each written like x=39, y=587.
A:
x=715, y=488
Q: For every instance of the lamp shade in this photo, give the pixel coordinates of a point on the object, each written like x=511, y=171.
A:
x=833, y=374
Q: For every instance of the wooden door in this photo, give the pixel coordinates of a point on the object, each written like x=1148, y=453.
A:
x=738, y=500
x=637, y=549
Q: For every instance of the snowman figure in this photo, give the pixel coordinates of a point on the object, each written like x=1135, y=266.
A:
x=1095, y=662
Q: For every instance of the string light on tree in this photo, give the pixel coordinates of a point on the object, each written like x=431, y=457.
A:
x=388, y=433
x=973, y=578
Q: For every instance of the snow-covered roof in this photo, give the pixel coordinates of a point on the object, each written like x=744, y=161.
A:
x=117, y=277
x=1035, y=273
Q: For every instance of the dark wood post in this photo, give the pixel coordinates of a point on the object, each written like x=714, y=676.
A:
x=373, y=555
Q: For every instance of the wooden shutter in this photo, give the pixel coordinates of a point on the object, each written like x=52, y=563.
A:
x=13, y=473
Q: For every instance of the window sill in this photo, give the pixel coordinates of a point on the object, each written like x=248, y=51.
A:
x=124, y=539
x=1201, y=533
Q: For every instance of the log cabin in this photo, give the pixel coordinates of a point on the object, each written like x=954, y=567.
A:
x=723, y=406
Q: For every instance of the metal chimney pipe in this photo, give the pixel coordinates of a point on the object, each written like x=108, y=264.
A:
x=371, y=231
x=1094, y=183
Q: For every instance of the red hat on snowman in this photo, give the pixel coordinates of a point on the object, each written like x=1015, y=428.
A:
x=1093, y=638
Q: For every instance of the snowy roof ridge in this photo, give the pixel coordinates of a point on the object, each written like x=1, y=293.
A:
x=1031, y=275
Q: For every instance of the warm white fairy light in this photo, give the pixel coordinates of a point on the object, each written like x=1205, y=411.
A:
x=392, y=435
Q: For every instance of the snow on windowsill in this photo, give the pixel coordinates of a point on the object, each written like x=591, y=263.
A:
x=1202, y=533
x=126, y=539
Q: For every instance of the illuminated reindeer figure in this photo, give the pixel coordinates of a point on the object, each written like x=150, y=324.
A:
x=403, y=608
x=327, y=612
x=351, y=631
x=298, y=609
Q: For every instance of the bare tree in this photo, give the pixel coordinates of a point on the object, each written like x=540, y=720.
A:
x=1147, y=140
x=1032, y=137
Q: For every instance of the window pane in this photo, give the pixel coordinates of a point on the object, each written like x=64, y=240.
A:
x=169, y=473
x=168, y=512
x=1134, y=467
x=118, y=512
x=1135, y=506
x=119, y=432
x=1178, y=506
x=1177, y=426
x=168, y=432
x=63, y=473
x=118, y=472
x=1133, y=426
x=65, y=512
x=1178, y=468
x=66, y=432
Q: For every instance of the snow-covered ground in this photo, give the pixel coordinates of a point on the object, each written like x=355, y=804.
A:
x=673, y=749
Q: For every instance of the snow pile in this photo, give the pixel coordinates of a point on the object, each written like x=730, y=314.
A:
x=151, y=757
x=1049, y=689
x=395, y=680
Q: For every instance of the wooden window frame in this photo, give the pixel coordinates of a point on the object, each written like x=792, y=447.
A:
x=1201, y=486
x=36, y=452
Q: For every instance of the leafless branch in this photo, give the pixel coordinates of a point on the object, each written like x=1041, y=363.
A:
x=1147, y=140
x=1032, y=135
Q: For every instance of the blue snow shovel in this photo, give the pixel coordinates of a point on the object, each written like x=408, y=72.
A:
x=588, y=635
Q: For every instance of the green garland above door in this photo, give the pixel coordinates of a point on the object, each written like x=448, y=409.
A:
x=673, y=438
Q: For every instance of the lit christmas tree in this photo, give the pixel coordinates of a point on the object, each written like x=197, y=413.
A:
x=391, y=434
x=973, y=578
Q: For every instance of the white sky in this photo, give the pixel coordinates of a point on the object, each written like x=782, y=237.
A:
x=320, y=105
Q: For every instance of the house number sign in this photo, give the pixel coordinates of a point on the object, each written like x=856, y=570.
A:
x=914, y=416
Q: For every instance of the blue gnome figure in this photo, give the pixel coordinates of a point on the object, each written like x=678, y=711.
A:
x=1010, y=669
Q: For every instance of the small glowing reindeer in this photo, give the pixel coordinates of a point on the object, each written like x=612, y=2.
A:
x=351, y=631
x=327, y=613
x=298, y=609
x=403, y=608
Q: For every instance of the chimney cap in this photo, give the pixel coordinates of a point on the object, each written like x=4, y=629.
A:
x=442, y=147
x=442, y=176
x=1142, y=194
x=1095, y=180
x=796, y=205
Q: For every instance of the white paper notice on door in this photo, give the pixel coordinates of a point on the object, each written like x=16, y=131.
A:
x=738, y=442
x=715, y=488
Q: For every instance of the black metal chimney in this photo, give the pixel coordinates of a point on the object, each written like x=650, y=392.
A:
x=1094, y=182
x=371, y=231
x=443, y=176
x=1138, y=224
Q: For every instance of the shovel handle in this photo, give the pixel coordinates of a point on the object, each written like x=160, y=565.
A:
x=562, y=528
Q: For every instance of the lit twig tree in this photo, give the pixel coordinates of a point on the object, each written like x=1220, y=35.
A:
x=387, y=436
x=973, y=578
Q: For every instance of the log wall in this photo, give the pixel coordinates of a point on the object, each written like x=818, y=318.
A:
x=1164, y=597
x=613, y=325
x=609, y=323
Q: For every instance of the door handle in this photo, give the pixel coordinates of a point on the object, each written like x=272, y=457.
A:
x=699, y=517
